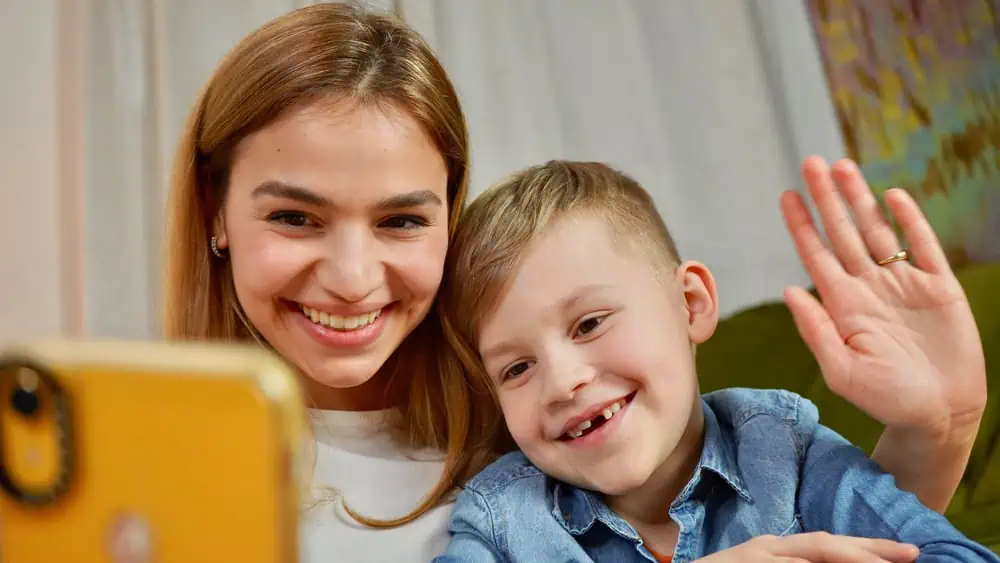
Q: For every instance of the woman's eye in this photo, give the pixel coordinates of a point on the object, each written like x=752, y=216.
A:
x=516, y=370
x=589, y=325
x=404, y=222
x=289, y=218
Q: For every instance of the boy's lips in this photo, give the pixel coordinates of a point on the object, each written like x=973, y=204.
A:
x=592, y=417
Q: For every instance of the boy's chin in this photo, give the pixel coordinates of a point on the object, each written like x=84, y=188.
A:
x=609, y=483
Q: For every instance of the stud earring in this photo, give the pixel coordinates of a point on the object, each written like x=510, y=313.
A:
x=214, y=245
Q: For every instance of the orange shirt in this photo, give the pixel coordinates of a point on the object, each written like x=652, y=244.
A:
x=660, y=558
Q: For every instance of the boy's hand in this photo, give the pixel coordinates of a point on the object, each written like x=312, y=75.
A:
x=817, y=547
x=897, y=340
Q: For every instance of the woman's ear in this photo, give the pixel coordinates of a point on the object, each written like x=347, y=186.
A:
x=219, y=231
x=700, y=300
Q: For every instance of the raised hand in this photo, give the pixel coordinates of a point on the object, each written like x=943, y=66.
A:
x=896, y=339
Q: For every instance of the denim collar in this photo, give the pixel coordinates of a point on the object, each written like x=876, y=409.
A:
x=578, y=509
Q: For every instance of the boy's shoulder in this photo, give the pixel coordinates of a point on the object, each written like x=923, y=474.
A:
x=736, y=407
x=512, y=468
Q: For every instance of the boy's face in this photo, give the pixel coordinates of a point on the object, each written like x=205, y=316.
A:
x=590, y=329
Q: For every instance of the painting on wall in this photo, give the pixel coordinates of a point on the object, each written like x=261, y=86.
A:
x=916, y=87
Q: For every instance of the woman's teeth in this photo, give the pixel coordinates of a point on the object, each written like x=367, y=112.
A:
x=605, y=416
x=337, y=322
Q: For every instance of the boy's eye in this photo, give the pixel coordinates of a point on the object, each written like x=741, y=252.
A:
x=515, y=370
x=589, y=325
x=404, y=222
x=289, y=218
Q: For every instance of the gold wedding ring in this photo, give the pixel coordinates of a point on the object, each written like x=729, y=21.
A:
x=900, y=256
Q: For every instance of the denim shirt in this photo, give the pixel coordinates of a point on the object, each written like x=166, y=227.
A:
x=767, y=468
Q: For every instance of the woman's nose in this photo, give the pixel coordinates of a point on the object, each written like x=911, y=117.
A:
x=351, y=268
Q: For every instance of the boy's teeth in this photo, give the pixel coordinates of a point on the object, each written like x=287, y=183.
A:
x=579, y=429
x=609, y=412
x=337, y=322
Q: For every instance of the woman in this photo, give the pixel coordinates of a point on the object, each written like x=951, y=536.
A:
x=318, y=180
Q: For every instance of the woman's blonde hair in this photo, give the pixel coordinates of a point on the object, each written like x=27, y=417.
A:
x=321, y=53
x=500, y=225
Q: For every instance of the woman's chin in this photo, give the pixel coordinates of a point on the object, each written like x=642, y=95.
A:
x=346, y=384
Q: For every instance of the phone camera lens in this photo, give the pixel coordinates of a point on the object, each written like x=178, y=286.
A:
x=24, y=398
x=25, y=402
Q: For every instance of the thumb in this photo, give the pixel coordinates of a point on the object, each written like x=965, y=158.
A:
x=820, y=335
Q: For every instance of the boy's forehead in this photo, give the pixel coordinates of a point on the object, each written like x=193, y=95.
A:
x=570, y=249
x=573, y=258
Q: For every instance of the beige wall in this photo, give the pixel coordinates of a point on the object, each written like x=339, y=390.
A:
x=40, y=168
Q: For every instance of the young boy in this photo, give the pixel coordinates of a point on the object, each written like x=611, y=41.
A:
x=576, y=310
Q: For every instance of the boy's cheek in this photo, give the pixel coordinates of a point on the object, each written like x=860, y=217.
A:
x=521, y=420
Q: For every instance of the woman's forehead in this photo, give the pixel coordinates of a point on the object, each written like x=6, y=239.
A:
x=367, y=152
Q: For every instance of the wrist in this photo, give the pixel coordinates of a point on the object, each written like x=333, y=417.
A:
x=953, y=434
x=929, y=461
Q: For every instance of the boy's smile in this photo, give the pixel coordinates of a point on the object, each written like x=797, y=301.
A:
x=590, y=348
x=580, y=428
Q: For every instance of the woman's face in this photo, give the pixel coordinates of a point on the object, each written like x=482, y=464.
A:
x=336, y=224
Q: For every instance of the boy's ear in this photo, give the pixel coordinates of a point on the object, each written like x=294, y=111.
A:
x=700, y=300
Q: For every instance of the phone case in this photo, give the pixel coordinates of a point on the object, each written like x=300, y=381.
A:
x=142, y=452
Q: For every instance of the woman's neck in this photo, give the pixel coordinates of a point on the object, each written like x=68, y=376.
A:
x=647, y=508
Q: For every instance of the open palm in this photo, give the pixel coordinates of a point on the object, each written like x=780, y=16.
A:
x=896, y=340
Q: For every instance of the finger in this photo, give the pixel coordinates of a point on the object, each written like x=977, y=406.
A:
x=924, y=245
x=821, y=265
x=875, y=230
x=888, y=550
x=821, y=546
x=820, y=334
x=840, y=229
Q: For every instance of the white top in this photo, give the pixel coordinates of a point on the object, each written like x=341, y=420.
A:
x=379, y=480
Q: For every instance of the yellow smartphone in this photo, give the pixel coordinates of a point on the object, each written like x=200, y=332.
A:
x=148, y=452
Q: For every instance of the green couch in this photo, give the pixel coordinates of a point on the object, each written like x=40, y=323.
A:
x=760, y=347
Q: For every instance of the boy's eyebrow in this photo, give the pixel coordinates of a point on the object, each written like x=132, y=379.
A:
x=274, y=188
x=498, y=349
x=580, y=293
x=563, y=305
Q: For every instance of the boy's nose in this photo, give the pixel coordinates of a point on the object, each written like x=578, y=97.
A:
x=564, y=382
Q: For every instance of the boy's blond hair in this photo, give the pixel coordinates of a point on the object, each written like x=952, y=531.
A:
x=498, y=228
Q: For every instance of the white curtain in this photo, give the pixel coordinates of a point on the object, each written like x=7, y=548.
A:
x=32, y=299
x=709, y=104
